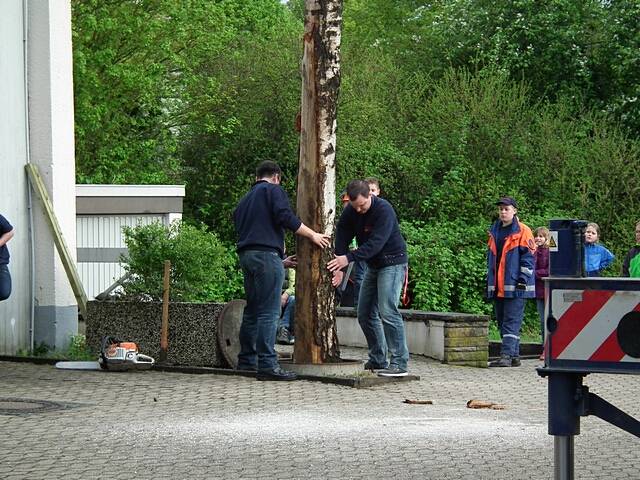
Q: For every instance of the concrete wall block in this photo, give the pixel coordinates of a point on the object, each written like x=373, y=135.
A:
x=467, y=356
x=478, y=342
x=470, y=363
x=468, y=325
x=473, y=348
x=450, y=332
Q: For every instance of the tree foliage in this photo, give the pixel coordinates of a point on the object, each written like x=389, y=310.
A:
x=146, y=75
x=451, y=103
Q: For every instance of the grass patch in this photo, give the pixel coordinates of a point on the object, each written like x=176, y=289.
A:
x=77, y=350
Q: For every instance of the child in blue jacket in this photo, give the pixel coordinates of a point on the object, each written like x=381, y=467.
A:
x=596, y=256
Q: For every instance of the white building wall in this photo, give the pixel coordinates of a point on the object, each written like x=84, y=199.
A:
x=51, y=140
x=15, y=318
x=98, y=233
x=102, y=212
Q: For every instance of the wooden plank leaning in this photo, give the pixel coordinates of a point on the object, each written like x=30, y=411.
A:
x=63, y=250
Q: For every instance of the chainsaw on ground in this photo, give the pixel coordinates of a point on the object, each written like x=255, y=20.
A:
x=116, y=356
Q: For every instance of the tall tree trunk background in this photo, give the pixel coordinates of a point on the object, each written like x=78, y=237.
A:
x=316, y=336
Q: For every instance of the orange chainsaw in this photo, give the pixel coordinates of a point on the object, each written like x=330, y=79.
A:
x=115, y=356
x=118, y=355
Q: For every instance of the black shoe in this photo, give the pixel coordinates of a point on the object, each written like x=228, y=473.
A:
x=276, y=374
x=393, y=372
x=372, y=366
x=515, y=361
x=503, y=361
x=283, y=336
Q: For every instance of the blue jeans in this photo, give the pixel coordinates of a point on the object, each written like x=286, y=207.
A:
x=509, y=314
x=5, y=282
x=540, y=307
x=379, y=318
x=288, y=316
x=263, y=276
x=359, y=269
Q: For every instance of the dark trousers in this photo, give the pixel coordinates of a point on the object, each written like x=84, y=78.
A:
x=263, y=276
x=5, y=282
x=509, y=314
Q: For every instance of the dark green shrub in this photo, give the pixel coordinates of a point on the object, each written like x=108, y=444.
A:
x=203, y=269
x=447, y=266
x=447, y=271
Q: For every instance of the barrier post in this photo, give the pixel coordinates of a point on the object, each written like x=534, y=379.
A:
x=564, y=420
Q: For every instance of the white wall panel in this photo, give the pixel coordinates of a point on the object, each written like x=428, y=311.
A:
x=100, y=232
x=15, y=313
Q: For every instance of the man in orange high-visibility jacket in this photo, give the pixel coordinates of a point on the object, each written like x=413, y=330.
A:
x=510, y=277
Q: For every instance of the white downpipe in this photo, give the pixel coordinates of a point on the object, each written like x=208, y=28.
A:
x=32, y=274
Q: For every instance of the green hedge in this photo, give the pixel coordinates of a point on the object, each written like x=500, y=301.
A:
x=203, y=269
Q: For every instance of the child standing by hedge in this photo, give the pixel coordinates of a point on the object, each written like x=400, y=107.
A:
x=510, y=277
x=631, y=264
x=596, y=256
x=541, y=255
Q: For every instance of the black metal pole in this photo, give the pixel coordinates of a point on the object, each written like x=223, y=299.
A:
x=564, y=420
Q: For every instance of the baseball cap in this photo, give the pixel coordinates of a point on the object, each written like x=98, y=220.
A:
x=507, y=201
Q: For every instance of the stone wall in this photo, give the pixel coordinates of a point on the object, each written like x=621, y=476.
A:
x=192, y=329
x=454, y=338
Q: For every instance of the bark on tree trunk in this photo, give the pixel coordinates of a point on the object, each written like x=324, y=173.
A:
x=316, y=337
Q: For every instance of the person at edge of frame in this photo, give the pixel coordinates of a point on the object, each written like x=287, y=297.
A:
x=6, y=233
x=631, y=263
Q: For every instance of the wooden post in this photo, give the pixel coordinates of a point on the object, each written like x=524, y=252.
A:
x=315, y=323
x=164, y=331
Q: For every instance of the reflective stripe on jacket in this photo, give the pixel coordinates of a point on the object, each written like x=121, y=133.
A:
x=516, y=264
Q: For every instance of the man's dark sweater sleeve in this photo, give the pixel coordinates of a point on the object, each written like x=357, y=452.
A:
x=5, y=226
x=382, y=229
x=282, y=211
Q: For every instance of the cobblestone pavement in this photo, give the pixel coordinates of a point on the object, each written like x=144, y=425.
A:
x=157, y=425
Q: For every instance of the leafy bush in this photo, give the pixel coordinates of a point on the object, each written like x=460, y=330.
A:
x=202, y=268
x=77, y=350
x=447, y=266
x=447, y=271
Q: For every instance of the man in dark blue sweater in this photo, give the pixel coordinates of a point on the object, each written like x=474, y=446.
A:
x=260, y=219
x=6, y=234
x=373, y=222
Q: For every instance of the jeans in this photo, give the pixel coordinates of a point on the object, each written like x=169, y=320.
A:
x=540, y=307
x=288, y=316
x=359, y=269
x=379, y=318
x=5, y=282
x=509, y=314
x=263, y=276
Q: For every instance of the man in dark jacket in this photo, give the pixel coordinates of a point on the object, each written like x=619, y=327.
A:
x=260, y=219
x=373, y=222
x=6, y=234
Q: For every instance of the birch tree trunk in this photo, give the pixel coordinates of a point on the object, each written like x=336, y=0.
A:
x=315, y=322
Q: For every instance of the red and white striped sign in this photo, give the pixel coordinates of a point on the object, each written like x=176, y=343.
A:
x=587, y=324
